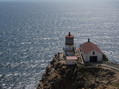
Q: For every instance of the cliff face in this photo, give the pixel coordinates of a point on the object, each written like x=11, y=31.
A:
x=60, y=76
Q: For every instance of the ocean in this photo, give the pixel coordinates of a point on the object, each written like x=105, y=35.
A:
x=32, y=32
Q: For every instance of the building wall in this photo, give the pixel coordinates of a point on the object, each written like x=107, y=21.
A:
x=87, y=56
x=69, y=47
x=69, y=53
x=71, y=62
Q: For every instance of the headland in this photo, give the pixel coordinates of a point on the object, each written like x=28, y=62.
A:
x=86, y=67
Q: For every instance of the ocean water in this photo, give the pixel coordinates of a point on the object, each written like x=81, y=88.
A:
x=31, y=33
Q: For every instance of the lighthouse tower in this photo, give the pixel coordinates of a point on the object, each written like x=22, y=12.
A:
x=69, y=45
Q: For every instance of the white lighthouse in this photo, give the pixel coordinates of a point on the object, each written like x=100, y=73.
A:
x=69, y=45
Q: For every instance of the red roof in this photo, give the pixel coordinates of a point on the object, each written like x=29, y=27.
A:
x=69, y=35
x=89, y=46
x=71, y=57
x=78, y=49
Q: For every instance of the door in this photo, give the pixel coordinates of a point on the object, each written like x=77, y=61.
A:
x=93, y=58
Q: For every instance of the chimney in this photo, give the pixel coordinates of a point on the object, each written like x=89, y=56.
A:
x=69, y=34
x=88, y=39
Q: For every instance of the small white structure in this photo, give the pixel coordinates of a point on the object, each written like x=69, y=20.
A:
x=90, y=52
x=71, y=60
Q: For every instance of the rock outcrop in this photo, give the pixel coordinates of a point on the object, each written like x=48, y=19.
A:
x=60, y=76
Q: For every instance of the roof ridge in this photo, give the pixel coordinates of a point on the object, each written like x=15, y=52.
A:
x=96, y=46
x=91, y=45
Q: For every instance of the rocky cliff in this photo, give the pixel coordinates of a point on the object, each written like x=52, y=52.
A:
x=60, y=76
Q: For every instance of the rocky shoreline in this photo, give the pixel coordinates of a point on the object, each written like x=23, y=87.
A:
x=60, y=76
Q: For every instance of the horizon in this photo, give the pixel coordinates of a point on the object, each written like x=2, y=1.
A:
x=60, y=0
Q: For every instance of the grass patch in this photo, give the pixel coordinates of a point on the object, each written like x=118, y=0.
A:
x=115, y=85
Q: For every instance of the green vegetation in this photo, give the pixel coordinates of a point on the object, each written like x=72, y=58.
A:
x=115, y=85
x=104, y=57
x=58, y=75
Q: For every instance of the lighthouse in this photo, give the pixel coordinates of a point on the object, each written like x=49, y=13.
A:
x=69, y=45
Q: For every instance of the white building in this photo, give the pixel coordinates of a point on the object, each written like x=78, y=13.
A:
x=71, y=60
x=90, y=52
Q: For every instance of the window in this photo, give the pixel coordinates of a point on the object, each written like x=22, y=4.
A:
x=93, y=53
